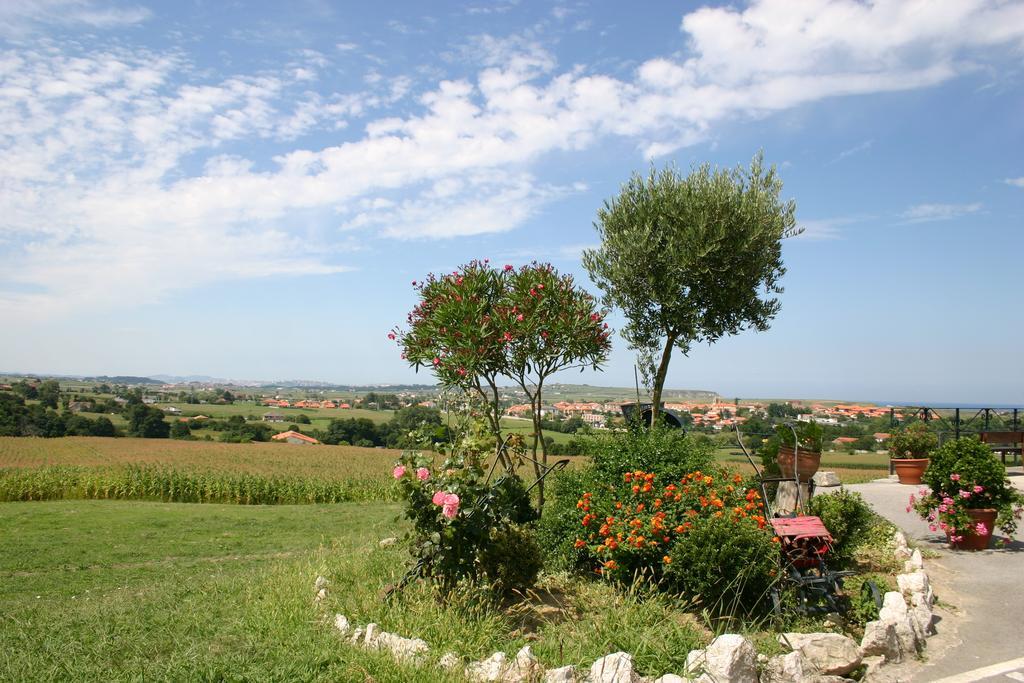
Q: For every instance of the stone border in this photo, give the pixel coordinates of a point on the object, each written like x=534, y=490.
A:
x=900, y=632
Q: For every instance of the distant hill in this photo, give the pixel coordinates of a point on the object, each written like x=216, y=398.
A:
x=121, y=379
x=563, y=392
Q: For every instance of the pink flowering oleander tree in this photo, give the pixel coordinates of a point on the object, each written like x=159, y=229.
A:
x=550, y=325
x=964, y=475
x=453, y=331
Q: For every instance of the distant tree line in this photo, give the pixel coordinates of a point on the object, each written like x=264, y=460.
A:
x=19, y=419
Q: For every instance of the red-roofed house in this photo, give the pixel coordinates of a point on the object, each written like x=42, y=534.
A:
x=295, y=438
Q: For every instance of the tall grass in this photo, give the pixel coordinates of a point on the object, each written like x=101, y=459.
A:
x=169, y=484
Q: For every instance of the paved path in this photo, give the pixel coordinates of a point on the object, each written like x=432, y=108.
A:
x=985, y=589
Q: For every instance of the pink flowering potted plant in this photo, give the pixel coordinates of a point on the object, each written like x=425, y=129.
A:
x=967, y=495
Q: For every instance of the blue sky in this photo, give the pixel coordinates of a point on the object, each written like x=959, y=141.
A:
x=247, y=190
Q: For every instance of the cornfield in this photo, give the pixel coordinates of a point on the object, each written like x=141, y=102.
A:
x=159, y=483
x=191, y=472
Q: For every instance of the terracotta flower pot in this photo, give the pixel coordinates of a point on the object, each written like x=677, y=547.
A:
x=807, y=464
x=910, y=470
x=972, y=540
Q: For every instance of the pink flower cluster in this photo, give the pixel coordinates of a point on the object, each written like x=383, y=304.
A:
x=449, y=503
x=422, y=473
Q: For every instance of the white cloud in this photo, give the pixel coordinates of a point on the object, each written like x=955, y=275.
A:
x=18, y=17
x=847, y=153
x=98, y=148
x=923, y=213
x=824, y=228
x=1018, y=182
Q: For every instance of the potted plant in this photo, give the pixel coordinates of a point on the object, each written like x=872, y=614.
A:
x=908, y=452
x=805, y=448
x=968, y=494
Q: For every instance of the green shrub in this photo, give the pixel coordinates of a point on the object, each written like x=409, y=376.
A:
x=511, y=560
x=559, y=526
x=848, y=518
x=669, y=452
x=728, y=567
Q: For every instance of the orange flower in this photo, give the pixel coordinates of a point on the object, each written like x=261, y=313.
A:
x=610, y=564
x=667, y=559
x=628, y=477
x=618, y=505
x=636, y=489
x=708, y=481
x=579, y=543
x=657, y=502
x=640, y=507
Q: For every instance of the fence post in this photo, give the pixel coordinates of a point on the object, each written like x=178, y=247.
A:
x=956, y=427
x=986, y=418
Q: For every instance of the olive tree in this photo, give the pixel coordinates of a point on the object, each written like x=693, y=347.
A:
x=691, y=259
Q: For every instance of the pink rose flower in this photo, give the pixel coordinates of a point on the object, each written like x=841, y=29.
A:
x=954, y=477
x=423, y=474
x=981, y=529
x=451, y=506
x=438, y=498
x=507, y=267
x=965, y=494
x=943, y=508
x=979, y=489
x=932, y=527
x=398, y=472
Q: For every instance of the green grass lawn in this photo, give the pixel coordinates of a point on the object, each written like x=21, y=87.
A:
x=106, y=590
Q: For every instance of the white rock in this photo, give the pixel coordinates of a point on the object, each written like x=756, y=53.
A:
x=915, y=562
x=916, y=582
x=925, y=598
x=488, y=670
x=449, y=661
x=880, y=639
x=387, y=542
x=320, y=583
x=922, y=613
x=370, y=635
x=873, y=668
x=357, y=636
x=729, y=657
x=830, y=654
x=901, y=552
x=826, y=479
x=563, y=674
x=321, y=595
x=670, y=678
x=894, y=611
x=524, y=668
x=791, y=668
x=402, y=649
x=614, y=668
x=341, y=623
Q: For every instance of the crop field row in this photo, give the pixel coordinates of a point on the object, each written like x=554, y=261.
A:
x=268, y=459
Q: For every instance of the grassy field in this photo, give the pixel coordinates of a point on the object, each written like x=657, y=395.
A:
x=103, y=590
